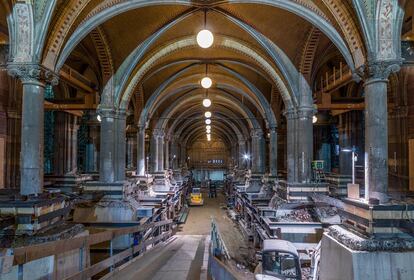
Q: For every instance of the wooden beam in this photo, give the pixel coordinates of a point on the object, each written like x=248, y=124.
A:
x=75, y=79
x=49, y=106
x=341, y=106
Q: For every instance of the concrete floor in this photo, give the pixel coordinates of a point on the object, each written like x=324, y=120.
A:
x=184, y=257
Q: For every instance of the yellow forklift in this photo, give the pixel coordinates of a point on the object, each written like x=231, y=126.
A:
x=196, y=198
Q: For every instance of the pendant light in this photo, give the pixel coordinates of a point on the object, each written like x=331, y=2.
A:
x=205, y=38
x=206, y=82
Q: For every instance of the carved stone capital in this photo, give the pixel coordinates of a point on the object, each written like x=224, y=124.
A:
x=121, y=114
x=106, y=112
x=306, y=112
x=378, y=70
x=158, y=133
x=290, y=114
x=32, y=72
x=256, y=133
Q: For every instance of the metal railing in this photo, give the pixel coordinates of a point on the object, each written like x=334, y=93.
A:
x=148, y=234
x=218, y=247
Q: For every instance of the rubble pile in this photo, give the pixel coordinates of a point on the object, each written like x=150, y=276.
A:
x=301, y=215
x=359, y=243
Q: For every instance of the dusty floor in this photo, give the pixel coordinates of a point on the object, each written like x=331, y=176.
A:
x=182, y=258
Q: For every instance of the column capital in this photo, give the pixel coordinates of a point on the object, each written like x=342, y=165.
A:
x=374, y=71
x=32, y=73
x=306, y=112
x=290, y=114
x=140, y=128
x=273, y=129
x=256, y=133
x=106, y=112
x=120, y=114
x=159, y=133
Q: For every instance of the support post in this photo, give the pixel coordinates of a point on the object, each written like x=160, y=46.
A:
x=291, y=119
x=305, y=143
x=33, y=78
x=120, y=145
x=273, y=152
x=167, y=153
x=242, y=152
x=141, y=151
x=107, y=151
x=158, y=157
x=258, y=151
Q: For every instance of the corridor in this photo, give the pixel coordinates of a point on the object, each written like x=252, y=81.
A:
x=185, y=255
x=112, y=111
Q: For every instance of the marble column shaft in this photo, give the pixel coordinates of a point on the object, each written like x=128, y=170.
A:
x=141, y=151
x=107, y=151
x=258, y=151
x=305, y=144
x=291, y=118
x=33, y=78
x=120, y=145
x=167, y=154
x=273, y=152
x=376, y=128
x=31, y=155
x=158, y=150
x=242, y=162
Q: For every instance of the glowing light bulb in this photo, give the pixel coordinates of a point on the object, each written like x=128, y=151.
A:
x=98, y=117
x=208, y=121
x=208, y=130
x=208, y=126
x=205, y=38
x=314, y=119
x=206, y=82
x=207, y=114
x=206, y=102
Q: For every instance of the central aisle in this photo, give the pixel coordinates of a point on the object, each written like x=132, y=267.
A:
x=185, y=255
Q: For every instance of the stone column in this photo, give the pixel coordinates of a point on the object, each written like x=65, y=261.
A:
x=291, y=119
x=376, y=129
x=183, y=155
x=158, y=151
x=107, y=151
x=167, y=153
x=74, y=145
x=273, y=152
x=305, y=144
x=175, y=152
x=242, y=162
x=120, y=145
x=258, y=151
x=33, y=78
x=141, y=151
x=344, y=132
x=92, y=148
